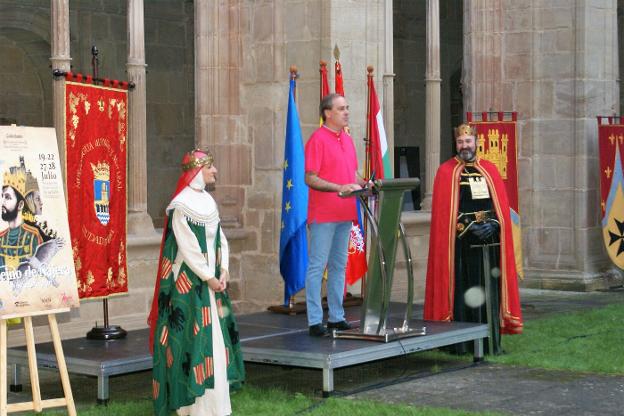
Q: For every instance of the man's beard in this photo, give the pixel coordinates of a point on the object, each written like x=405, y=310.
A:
x=467, y=155
x=9, y=216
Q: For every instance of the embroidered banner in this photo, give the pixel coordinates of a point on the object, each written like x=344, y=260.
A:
x=36, y=267
x=611, y=145
x=497, y=143
x=95, y=142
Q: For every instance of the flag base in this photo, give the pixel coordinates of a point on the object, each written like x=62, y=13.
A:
x=294, y=309
x=385, y=336
x=300, y=307
x=107, y=332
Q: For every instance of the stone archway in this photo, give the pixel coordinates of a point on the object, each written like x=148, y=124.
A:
x=25, y=78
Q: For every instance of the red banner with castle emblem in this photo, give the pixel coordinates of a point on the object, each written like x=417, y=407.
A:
x=95, y=142
x=611, y=145
x=498, y=143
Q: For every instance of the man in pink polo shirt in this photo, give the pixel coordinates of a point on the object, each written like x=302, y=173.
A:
x=330, y=168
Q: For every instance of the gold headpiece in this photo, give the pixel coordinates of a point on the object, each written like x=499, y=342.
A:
x=464, y=130
x=191, y=161
x=16, y=178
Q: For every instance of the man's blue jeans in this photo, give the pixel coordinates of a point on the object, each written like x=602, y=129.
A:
x=329, y=242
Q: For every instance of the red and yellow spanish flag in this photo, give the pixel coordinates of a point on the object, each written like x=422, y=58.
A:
x=96, y=119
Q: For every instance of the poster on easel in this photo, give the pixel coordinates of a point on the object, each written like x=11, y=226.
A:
x=36, y=260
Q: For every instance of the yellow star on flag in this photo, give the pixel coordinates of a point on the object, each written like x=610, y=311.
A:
x=285, y=164
x=289, y=184
x=287, y=207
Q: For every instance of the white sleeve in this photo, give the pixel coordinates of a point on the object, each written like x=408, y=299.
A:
x=225, y=252
x=188, y=247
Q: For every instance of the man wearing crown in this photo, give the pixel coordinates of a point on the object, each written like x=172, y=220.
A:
x=20, y=240
x=470, y=210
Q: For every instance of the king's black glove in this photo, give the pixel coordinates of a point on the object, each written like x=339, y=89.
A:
x=485, y=230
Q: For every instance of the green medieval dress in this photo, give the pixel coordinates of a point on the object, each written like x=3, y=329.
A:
x=184, y=349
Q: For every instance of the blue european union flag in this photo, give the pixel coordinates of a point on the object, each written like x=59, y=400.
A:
x=293, y=239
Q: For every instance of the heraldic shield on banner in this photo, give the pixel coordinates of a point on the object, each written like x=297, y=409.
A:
x=611, y=144
x=101, y=186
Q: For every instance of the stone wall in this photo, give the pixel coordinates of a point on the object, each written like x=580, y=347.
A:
x=25, y=88
x=551, y=64
x=26, y=98
x=170, y=93
x=26, y=77
x=276, y=35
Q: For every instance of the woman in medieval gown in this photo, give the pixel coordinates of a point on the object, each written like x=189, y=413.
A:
x=194, y=335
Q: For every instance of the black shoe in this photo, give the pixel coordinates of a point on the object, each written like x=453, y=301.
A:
x=341, y=326
x=317, y=330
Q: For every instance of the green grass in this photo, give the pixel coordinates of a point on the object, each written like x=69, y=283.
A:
x=252, y=401
x=587, y=341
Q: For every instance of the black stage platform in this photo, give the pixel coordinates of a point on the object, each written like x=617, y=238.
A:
x=266, y=338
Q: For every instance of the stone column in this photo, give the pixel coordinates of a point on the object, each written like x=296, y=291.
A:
x=205, y=45
x=60, y=59
x=388, y=79
x=485, y=89
x=432, y=91
x=139, y=221
x=219, y=124
x=221, y=128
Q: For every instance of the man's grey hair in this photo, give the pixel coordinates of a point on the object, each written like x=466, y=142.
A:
x=327, y=103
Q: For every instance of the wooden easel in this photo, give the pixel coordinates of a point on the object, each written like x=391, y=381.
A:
x=36, y=404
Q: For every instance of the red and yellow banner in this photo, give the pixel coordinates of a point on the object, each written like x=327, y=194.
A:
x=498, y=143
x=95, y=140
x=611, y=145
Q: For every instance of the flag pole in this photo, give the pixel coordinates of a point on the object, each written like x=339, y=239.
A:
x=367, y=169
x=106, y=332
x=293, y=77
x=293, y=308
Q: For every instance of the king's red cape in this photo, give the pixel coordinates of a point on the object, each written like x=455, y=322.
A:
x=440, y=286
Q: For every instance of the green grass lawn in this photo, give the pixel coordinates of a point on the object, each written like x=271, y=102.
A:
x=587, y=341
x=252, y=401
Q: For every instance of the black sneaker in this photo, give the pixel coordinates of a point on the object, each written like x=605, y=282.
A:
x=341, y=326
x=317, y=330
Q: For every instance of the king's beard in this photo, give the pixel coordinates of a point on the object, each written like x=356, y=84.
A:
x=9, y=216
x=467, y=155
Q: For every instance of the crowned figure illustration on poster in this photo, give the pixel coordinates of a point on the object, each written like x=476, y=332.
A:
x=36, y=266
